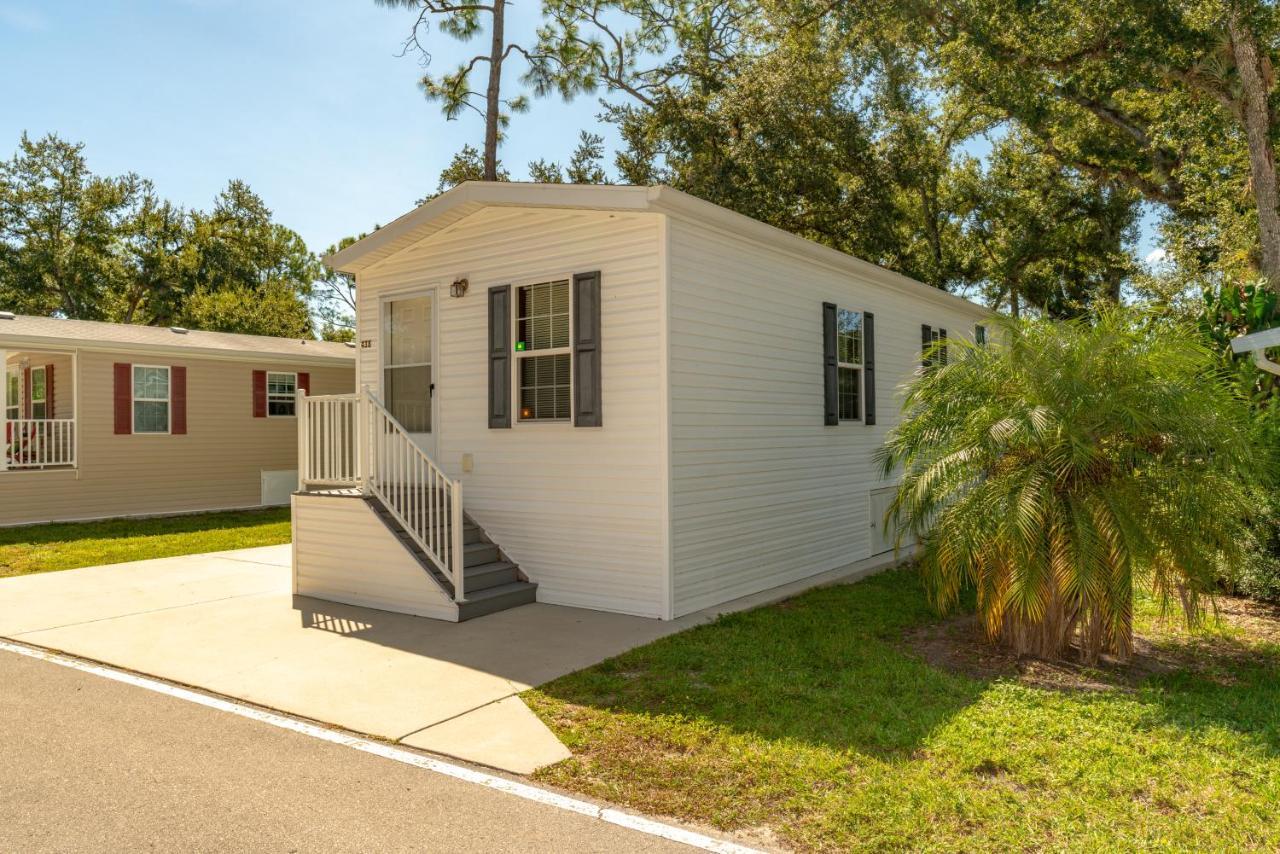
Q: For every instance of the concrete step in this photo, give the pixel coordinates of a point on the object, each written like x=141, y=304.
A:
x=496, y=599
x=489, y=575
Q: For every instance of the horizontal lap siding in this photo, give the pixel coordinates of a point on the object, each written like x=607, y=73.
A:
x=217, y=464
x=580, y=509
x=762, y=493
x=344, y=553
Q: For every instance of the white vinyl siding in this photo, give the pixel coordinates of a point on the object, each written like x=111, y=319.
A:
x=762, y=494
x=581, y=511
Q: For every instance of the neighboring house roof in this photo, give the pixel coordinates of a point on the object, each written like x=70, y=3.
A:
x=471, y=196
x=50, y=332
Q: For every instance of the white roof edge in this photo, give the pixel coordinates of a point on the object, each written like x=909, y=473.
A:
x=657, y=198
x=1256, y=341
x=691, y=207
x=499, y=193
x=49, y=342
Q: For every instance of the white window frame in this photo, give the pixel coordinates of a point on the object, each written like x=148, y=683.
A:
x=518, y=355
x=14, y=412
x=860, y=367
x=292, y=398
x=44, y=399
x=167, y=401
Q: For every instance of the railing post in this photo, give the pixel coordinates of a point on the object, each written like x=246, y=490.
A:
x=304, y=444
x=361, y=452
x=455, y=541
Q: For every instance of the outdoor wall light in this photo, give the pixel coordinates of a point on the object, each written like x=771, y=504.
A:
x=458, y=288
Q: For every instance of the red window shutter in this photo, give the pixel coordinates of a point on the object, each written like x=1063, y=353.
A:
x=48, y=391
x=124, y=398
x=304, y=382
x=178, y=400
x=259, y=394
x=26, y=392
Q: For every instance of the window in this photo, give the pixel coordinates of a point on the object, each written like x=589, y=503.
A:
x=406, y=372
x=150, y=399
x=280, y=394
x=39, y=397
x=849, y=360
x=542, y=350
x=12, y=396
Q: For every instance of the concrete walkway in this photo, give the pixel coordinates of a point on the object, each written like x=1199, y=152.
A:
x=228, y=622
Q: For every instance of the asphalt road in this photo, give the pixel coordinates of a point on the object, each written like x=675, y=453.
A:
x=87, y=763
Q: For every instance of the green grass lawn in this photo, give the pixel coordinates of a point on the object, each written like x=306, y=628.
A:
x=44, y=548
x=821, y=724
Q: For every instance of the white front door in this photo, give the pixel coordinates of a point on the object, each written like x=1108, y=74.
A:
x=408, y=357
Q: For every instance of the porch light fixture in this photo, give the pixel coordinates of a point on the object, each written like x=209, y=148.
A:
x=458, y=288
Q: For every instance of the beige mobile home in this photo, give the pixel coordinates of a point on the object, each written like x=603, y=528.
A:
x=105, y=419
x=619, y=398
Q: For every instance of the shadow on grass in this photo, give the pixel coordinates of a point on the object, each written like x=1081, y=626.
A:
x=125, y=528
x=823, y=668
x=830, y=668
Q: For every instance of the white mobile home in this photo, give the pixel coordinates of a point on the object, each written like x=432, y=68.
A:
x=620, y=398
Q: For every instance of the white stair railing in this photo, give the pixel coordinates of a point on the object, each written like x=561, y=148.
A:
x=354, y=441
x=39, y=443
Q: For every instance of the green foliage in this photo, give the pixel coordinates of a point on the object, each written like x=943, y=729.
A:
x=1066, y=463
x=95, y=248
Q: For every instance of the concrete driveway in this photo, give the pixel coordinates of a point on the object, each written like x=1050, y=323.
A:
x=229, y=623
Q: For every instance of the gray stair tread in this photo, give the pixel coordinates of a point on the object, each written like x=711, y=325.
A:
x=484, y=568
x=513, y=588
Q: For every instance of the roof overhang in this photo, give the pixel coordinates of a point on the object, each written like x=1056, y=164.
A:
x=1256, y=341
x=471, y=196
x=72, y=344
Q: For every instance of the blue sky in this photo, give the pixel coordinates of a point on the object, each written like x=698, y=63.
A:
x=307, y=101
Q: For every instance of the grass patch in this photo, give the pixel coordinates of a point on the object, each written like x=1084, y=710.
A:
x=45, y=548
x=815, y=725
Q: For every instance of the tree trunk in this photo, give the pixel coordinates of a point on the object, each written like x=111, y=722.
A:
x=1254, y=69
x=492, y=101
x=1015, y=308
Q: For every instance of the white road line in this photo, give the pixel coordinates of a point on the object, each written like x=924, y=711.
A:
x=386, y=751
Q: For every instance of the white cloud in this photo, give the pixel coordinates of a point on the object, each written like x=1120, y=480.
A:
x=1156, y=256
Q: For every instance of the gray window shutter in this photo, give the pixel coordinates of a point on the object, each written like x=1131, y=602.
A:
x=830, y=378
x=587, y=410
x=868, y=368
x=980, y=335
x=500, y=356
x=942, y=353
x=926, y=341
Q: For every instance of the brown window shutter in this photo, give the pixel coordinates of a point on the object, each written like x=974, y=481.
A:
x=123, y=394
x=926, y=341
x=178, y=400
x=304, y=382
x=259, y=394
x=26, y=392
x=48, y=391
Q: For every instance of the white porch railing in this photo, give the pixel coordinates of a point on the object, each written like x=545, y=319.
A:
x=32, y=443
x=352, y=441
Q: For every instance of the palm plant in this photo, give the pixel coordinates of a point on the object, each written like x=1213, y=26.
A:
x=1065, y=463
